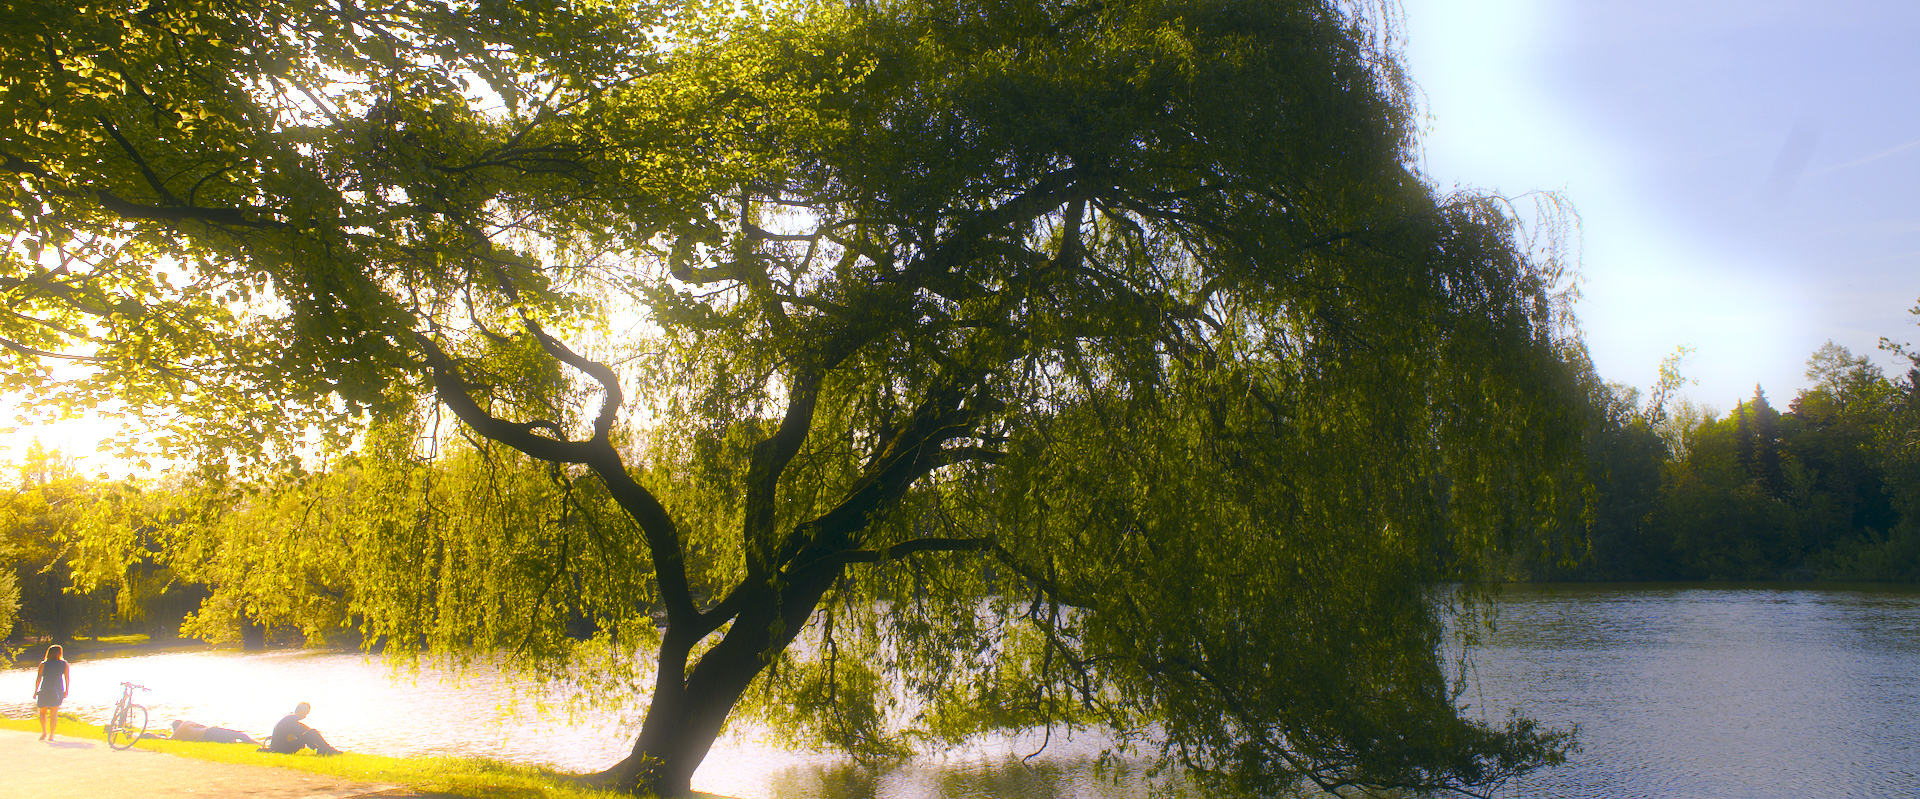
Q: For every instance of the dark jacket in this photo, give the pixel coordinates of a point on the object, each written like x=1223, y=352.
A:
x=289, y=736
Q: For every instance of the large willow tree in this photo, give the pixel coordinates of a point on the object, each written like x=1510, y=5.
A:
x=936, y=365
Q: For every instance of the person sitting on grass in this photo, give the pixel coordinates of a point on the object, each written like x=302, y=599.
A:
x=193, y=731
x=290, y=735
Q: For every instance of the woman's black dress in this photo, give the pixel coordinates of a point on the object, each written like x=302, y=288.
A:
x=53, y=682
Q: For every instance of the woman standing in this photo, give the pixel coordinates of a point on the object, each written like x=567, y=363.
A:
x=50, y=687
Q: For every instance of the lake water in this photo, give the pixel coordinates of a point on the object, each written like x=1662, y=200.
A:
x=1751, y=692
x=1748, y=692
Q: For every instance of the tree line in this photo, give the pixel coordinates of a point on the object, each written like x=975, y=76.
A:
x=1826, y=489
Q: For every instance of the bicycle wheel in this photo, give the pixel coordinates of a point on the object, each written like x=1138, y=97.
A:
x=127, y=727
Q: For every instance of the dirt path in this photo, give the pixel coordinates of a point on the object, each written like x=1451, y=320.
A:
x=78, y=768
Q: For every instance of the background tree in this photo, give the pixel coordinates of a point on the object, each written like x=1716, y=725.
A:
x=9, y=607
x=965, y=336
x=1719, y=515
x=1624, y=455
x=42, y=510
x=1822, y=497
x=53, y=525
x=1835, y=455
x=1892, y=554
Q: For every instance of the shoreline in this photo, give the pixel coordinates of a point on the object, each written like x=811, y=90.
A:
x=29, y=654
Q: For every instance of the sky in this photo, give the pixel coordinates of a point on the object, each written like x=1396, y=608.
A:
x=1745, y=173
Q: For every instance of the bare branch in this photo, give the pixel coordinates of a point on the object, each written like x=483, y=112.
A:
x=756, y=232
x=700, y=276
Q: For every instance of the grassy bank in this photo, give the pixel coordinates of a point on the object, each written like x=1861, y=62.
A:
x=471, y=778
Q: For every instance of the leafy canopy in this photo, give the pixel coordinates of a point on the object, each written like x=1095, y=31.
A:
x=919, y=366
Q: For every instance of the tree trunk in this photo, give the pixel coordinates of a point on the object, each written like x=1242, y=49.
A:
x=680, y=729
x=61, y=624
x=685, y=716
x=253, y=636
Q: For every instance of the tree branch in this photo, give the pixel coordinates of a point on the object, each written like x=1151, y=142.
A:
x=40, y=353
x=1042, y=197
x=756, y=232
x=953, y=455
x=180, y=213
x=153, y=179
x=612, y=397
x=455, y=392
x=769, y=459
x=663, y=537
x=901, y=550
x=21, y=166
x=1050, y=586
x=909, y=454
x=700, y=276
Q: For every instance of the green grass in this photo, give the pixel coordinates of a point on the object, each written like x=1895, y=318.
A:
x=469, y=778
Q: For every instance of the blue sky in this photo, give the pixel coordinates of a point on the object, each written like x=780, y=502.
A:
x=1745, y=172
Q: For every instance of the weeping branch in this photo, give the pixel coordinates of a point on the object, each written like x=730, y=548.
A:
x=918, y=545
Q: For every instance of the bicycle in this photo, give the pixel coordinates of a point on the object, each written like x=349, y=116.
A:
x=129, y=720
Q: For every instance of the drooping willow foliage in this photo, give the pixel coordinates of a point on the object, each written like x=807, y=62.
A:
x=891, y=371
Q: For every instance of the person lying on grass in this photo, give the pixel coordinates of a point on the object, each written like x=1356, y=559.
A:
x=194, y=731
